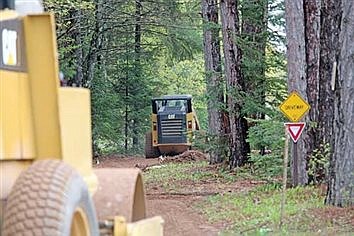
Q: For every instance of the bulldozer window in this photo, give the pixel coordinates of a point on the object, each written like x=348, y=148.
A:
x=171, y=104
x=176, y=105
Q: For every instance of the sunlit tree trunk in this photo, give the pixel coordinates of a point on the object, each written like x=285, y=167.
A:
x=214, y=80
x=235, y=86
x=341, y=178
x=296, y=60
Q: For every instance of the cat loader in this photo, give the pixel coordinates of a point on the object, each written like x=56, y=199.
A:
x=47, y=183
x=173, y=122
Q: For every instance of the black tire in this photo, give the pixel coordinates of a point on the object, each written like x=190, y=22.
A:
x=150, y=151
x=46, y=200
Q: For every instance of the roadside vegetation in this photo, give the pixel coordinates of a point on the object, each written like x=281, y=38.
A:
x=247, y=202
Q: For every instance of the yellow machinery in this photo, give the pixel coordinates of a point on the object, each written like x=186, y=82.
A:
x=173, y=123
x=46, y=176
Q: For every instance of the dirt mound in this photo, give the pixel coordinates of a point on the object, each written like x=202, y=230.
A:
x=187, y=156
x=117, y=161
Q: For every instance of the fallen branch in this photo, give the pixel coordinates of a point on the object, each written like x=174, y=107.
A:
x=183, y=194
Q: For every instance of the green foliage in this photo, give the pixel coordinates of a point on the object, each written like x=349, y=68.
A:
x=184, y=77
x=266, y=166
x=319, y=163
x=200, y=140
x=267, y=134
x=123, y=52
x=74, y=30
x=98, y=38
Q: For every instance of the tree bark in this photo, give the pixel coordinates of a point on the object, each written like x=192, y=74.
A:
x=311, y=138
x=330, y=28
x=79, y=76
x=296, y=59
x=93, y=55
x=341, y=179
x=254, y=33
x=137, y=69
x=214, y=81
x=239, y=148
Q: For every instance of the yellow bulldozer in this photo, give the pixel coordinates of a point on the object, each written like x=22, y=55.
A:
x=47, y=183
x=173, y=122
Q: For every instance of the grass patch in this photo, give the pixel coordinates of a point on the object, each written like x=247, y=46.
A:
x=257, y=212
x=174, y=176
x=170, y=176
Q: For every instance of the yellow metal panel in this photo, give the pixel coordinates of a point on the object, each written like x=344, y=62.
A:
x=148, y=227
x=10, y=131
x=190, y=117
x=7, y=14
x=26, y=119
x=120, y=226
x=9, y=172
x=42, y=64
x=154, y=132
x=75, y=123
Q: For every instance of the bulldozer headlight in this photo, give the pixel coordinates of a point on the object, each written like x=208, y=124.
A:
x=190, y=124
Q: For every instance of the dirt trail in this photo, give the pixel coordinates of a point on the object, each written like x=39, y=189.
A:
x=180, y=219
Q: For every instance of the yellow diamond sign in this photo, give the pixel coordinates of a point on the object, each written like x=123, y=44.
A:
x=294, y=107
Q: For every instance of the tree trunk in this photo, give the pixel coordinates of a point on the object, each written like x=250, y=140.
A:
x=254, y=34
x=311, y=136
x=93, y=55
x=94, y=62
x=239, y=148
x=137, y=72
x=341, y=179
x=79, y=76
x=212, y=62
x=330, y=28
x=296, y=59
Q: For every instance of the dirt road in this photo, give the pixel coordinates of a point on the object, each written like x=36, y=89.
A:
x=180, y=218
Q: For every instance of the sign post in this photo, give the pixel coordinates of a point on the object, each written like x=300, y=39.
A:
x=294, y=108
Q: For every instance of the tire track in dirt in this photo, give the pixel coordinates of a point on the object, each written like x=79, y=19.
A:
x=179, y=217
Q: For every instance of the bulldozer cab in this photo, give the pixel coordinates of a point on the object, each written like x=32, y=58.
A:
x=173, y=124
x=170, y=105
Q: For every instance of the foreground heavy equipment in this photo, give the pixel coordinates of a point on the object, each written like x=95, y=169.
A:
x=173, y=122
x=47, y=183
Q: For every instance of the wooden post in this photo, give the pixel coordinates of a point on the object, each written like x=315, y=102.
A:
x=295, y=176
x=285, y=168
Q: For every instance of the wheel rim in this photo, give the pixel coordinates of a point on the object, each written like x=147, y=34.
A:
x=79, y=224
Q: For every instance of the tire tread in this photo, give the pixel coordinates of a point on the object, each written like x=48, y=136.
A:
x=35, y=205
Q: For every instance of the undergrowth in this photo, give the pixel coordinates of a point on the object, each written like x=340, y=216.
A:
x=258, y=210
x=252, y=211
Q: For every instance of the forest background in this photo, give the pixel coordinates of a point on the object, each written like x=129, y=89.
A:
x=128, y=52
x=230, y=55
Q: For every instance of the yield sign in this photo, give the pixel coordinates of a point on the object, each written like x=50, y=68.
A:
x=295, y=130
